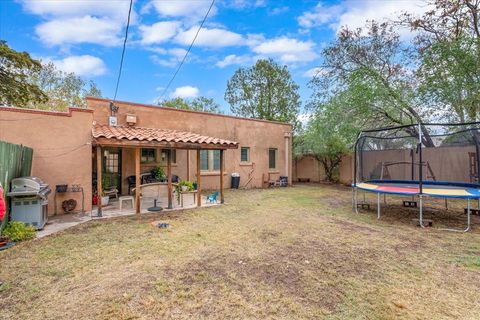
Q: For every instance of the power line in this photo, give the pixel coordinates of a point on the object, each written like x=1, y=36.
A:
x=188, y=51
x=123, y=50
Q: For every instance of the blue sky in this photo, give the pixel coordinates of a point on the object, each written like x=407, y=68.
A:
x=85, y=37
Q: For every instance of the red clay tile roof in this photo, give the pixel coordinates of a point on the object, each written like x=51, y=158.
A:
x=155, y=134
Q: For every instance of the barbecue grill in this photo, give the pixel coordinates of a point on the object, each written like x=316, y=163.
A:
x=29, y=201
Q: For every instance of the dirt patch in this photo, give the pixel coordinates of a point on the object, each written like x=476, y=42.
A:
x=336, y=201
x=291, y=269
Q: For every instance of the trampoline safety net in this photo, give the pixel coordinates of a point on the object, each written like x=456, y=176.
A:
x=419, y=153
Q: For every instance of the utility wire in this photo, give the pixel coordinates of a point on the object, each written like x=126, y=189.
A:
x=123, y=50
x=188, y=51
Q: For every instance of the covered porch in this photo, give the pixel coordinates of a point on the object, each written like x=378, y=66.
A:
x=169, y=192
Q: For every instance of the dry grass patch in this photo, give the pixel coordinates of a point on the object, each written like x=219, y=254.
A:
x=282, y=253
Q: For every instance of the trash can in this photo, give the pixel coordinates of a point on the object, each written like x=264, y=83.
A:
x=235, y=180
x=283, y=181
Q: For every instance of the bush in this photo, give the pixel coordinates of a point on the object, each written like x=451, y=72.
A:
x=187, y=184
x=158, y=173
x=19, y=231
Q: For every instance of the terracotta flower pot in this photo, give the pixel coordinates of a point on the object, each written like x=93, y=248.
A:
x=4, y=241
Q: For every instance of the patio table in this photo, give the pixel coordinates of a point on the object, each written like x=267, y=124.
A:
x=182, y=193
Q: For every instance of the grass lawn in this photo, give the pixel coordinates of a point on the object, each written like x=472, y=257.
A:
x=285, y=253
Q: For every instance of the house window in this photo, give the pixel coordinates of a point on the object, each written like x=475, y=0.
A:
x=111, y=162
x=173, y=154
x=272, y=158
x=210, y=160
x=148, y=156
x=245, y=154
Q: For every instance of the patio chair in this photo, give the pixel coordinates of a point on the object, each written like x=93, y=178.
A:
x=111, y=192
x=131, y=183
x=212, y=198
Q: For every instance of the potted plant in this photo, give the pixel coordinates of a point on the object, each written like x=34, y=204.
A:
x=183, y=186
x=4, y=240
x=105, y=199
x=158, y=173
x=106, y=186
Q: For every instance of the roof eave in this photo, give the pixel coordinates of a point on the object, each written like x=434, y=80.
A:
x=114, y=142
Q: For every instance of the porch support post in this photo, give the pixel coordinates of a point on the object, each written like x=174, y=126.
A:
x=188, y=165
x=169, y=177
x=221, y=176
x=137, y=180
x=99, y=181
x=199, y=189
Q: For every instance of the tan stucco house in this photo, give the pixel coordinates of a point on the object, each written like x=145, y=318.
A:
x=132, y=138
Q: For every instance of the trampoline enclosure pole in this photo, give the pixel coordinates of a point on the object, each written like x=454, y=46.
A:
x=420, y=175
x=420, y=163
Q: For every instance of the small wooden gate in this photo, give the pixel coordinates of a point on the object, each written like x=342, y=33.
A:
x=15, y=161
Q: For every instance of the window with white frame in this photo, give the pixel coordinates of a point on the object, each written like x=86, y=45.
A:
x=244, y=154
x=272, y=158
x=163, y=156
x=210, y=160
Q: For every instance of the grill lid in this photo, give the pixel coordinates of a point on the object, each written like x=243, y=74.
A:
x=29, y=186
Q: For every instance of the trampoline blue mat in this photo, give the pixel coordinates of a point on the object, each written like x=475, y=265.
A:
x=441, y=189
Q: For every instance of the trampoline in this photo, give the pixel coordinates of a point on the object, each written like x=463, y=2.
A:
x=419, y=160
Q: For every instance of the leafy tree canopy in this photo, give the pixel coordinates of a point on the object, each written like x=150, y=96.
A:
x=329, y=135
x=15, y=69
x=64, y=89
x=373, y=78
x=203, y=104
x=264, y=91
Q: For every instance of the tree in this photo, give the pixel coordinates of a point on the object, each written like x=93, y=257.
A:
x=451, y=78
x=264, y=91
x=64, y=89
x=373, y=74
x=329, y=136
x=203, y=104
x=15, y=87
x=448, y=45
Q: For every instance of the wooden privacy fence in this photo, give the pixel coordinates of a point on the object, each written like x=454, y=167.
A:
x=15, y=161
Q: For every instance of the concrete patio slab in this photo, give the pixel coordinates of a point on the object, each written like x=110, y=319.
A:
x=65, y=221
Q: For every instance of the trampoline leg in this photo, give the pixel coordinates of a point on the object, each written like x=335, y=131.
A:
x=420, y=218
x=446, y=204
x=378, y=205
x=385, y=198
x=469, y=220
x=355, y=200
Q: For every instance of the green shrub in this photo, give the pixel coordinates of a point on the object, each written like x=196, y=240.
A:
x=186, y=183
x=19, y=231
x=158, y=173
